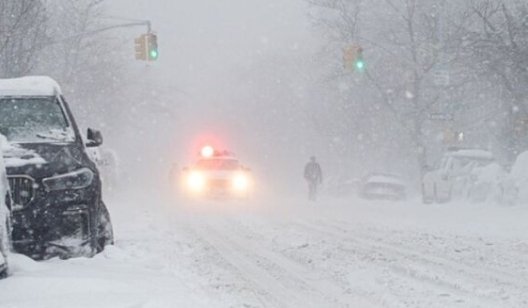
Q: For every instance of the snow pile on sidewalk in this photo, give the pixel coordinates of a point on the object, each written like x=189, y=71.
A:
x=518, y=179
x=493, y=184
x=496, y=185
x=487, y=184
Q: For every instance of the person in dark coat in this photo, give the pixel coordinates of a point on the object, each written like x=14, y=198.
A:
x=313, y=174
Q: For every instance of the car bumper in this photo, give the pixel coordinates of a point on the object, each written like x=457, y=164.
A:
x=55, y=226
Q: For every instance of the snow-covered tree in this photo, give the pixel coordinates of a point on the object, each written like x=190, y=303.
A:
x=497, y=47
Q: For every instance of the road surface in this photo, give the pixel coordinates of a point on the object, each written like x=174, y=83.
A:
x=289, y=253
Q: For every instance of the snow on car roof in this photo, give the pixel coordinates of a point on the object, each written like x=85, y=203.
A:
x=386, y=179
x=29, y=86
x=473, y=153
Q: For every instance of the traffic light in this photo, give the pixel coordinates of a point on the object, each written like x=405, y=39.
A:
x=141, y=47
x=152, y=41
x=360, y=63
x=147, y=47
x=353, y=58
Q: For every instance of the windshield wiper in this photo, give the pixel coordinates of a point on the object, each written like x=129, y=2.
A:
x=52, y=136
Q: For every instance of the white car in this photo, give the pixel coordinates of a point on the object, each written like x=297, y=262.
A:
x=383, y=187
x=454, y=176
x=5, y=220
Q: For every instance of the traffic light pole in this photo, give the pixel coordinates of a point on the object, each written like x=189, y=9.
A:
x=138, y=23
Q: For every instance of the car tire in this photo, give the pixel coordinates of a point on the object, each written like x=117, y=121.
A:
x=105, y=231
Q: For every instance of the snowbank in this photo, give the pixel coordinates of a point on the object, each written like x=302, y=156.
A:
x=493, y=184
x=488, y=184
x=518, y=179
x=29, y=86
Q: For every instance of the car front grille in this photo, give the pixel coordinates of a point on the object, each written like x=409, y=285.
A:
x=219, y=183
x=22, y=191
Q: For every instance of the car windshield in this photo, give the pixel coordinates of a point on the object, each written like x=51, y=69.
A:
x=383, y=187
x=218, y=164
x=31, y=120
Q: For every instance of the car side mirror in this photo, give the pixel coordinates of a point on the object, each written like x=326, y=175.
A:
x=95, y=138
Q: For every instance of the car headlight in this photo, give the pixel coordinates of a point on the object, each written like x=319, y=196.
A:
x=74, y=180
x=196, y=181
x=241, y=182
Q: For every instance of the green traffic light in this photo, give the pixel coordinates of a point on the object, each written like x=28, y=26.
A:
x=154, y=54
x=360, y=65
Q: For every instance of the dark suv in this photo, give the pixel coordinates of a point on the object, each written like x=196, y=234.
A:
x=57, y=206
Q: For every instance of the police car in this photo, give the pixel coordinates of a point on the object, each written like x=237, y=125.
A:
x=217, y=174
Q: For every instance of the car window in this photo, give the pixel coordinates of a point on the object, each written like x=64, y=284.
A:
x=218, y=164
x=34, y=120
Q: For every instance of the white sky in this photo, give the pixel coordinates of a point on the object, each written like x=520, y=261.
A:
x=206, y=38
x=205, y=47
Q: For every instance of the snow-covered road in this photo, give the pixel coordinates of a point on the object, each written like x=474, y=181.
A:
x=289, y=253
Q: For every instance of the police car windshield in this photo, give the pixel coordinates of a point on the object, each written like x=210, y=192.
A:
x=218, y=164
x=34, y=119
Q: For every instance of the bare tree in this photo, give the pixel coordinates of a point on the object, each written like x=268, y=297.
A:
x=23, y=25
x=86, y=62
x=412, y=69
x=497, y=44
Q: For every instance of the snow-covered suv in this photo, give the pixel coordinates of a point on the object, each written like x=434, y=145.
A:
x=454, y=175
x=57, y=207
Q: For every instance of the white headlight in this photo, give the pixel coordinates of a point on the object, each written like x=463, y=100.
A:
x=241, y=182
x=74, y=180
x=196, y=181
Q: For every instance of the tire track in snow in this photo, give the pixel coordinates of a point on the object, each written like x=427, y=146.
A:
x=454, y=285
x=379, y=294
x=496, y=275
x=318, y=290
x=277, y=295
x=499, y=274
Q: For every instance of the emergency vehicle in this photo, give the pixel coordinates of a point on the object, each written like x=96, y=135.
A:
x=217, y=174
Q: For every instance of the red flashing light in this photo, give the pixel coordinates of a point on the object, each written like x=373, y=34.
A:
x=207, y=151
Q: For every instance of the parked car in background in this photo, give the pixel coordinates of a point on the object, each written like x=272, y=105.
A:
x=455, y=174
x=380, y=186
